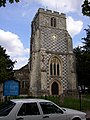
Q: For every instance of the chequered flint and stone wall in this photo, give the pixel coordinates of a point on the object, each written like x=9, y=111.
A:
x=48, y=42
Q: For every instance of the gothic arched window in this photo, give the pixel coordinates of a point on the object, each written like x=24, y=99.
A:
x=55, y=66
x=53, y=22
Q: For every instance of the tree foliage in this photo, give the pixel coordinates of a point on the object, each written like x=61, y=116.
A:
x=83, y=60
x=3, y=2
x=87, y=40
x=6, y=66
x=86, y=8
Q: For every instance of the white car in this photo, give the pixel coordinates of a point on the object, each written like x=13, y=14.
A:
x=37, y=109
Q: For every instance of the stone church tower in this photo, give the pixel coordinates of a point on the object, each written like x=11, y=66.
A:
x=52, y=65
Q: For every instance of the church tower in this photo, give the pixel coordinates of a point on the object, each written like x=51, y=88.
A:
x=52, y=65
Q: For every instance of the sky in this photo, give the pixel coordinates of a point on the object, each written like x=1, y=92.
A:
x=15, y=25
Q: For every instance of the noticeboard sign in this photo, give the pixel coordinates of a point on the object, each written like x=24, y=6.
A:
x=11, y=88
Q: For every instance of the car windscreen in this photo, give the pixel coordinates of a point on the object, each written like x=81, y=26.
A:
x=6, y=107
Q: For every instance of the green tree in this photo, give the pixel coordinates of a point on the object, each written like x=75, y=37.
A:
x=6, y=66
x=86, y=8
x=79, y=64
x=83, y=60
x=86, y=54
x=86, y=39
x=3, y=2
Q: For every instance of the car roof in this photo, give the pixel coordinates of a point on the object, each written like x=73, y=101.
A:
x=29, y=100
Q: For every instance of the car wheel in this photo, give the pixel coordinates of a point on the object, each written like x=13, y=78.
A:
x=76, y=118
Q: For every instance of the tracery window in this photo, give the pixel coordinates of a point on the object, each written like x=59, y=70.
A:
x=53, y=22
x=55, y=66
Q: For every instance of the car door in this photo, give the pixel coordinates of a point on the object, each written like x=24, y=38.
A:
x=52, y=112
x=29, y=111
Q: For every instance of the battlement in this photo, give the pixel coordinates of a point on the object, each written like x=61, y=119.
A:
x=49, y=12
x=41, y=10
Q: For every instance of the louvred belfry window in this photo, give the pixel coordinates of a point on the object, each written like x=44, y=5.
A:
x=53, y=22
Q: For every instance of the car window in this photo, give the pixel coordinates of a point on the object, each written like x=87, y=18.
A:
x=49, y=108
x=29, y=109
x=6, y=107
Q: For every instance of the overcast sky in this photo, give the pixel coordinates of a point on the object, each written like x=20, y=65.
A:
x=15, y=25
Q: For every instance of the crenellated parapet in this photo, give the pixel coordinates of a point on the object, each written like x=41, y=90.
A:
x=47, y=11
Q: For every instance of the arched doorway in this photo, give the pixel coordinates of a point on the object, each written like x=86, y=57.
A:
x=55, y=88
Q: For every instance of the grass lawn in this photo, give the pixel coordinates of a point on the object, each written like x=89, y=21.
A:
x=75, y=103
x=86, y=96
x=71, y=102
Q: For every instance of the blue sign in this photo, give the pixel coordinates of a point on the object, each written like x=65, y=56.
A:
x=11, y=88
